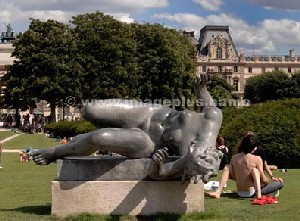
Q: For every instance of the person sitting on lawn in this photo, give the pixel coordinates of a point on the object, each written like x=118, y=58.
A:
x=64, y=141
x=220, y=144
x=262, y=154
x=23, y=157
x=247, y=171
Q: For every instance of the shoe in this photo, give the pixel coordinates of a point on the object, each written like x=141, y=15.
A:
x=260, y=201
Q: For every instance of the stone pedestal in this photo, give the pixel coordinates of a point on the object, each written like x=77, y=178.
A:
x=75, y=192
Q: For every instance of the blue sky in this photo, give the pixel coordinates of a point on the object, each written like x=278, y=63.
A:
x=260, y=27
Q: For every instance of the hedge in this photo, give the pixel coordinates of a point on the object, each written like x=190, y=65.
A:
x=276, y=124
x=69, y=128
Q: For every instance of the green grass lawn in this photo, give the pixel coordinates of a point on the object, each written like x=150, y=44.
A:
x=25, y=194
x=30, y=140
x=25, y=189
x=5, y=134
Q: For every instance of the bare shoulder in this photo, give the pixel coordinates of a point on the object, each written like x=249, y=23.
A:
x=255, y=157
x=235, y=157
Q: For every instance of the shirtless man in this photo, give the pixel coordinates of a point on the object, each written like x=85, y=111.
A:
x=137, y=130
x=247, y=171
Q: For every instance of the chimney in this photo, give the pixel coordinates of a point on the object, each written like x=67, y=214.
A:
x=292, y=52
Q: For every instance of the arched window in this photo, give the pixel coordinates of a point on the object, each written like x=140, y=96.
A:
x=219, y=53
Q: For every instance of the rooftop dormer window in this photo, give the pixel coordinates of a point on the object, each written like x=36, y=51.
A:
x=219, y=53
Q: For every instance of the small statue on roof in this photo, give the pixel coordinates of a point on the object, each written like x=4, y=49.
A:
x=9, y=28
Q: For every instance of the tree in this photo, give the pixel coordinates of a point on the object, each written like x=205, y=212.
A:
x=167, y=62
x=221, y=91
x=46, y=62
x=268, y=86
x=13, y=92
x=294, y=88
x=107, y=54
x=141, y=61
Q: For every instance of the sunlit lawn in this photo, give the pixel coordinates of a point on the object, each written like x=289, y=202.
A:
x=25, y=189
x=5, y=134
x=24, y=141
x=25, y=194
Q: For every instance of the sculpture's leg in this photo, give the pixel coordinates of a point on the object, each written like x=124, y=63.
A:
x=119, y=113
x=133, y=143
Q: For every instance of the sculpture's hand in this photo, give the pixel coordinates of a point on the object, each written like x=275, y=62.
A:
x=202, y=80
x=160, y=155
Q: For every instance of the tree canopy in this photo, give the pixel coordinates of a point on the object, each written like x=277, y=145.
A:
x=107, y=54
x=221, y=91
x=142, y=61
x=294, y=88
x=45, y=65
x=268, y=86
x=167, y=62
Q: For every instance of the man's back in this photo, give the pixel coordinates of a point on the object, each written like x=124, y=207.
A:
x=242, y=165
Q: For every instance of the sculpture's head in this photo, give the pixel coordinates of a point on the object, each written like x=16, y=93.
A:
x=202, y=163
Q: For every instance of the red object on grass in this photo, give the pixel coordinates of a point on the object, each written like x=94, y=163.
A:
x=265, y=200
x=260, y=201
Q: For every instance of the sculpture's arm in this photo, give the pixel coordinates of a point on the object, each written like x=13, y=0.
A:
x=199, y=164
x=201, y=90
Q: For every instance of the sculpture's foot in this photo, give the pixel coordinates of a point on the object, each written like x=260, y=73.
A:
x=43, y=156
x=215, y=195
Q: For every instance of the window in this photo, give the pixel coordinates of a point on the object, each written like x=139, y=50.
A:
x=219, y=53
x=203, y=68
x=250, y=69
x=236, y=84
x=219, y=68
x=235, y=68
x=289, y=70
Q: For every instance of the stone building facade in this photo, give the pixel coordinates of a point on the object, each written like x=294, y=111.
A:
x=217, y=55
x=5, y=56
x=6, y=48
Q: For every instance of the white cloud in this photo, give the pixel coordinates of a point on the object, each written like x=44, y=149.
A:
x=19, y=11
x=123, y=17
x=283, y=31
x=211, y=5
x=263, y=38
x=290, y=4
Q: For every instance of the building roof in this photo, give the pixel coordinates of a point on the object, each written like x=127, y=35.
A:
x=209, y=32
